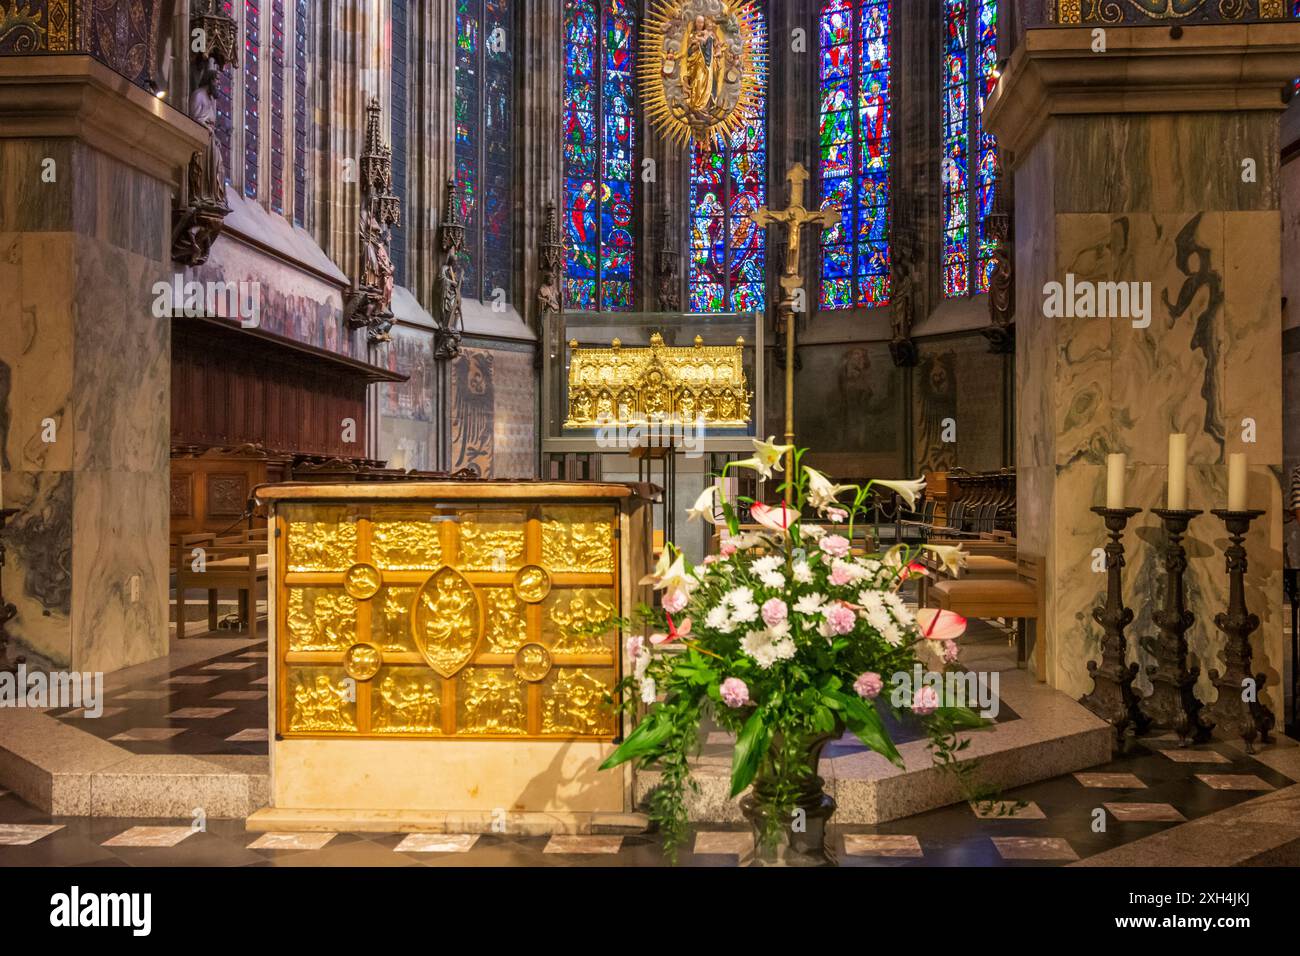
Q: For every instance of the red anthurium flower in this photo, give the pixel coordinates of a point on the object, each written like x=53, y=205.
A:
x=775, y=518
x=939, y=625
x=675, y=631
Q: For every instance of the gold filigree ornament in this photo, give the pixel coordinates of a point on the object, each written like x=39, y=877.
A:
x=532, y=584
x=447, y=621
x=702, y=67
x=362, y=581
x=532, y=663
x=362, y=661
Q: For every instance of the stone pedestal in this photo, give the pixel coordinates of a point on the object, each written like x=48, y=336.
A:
x=88, y=166
x=1154, y=162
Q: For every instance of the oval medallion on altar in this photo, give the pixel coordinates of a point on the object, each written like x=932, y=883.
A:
x=447, y=621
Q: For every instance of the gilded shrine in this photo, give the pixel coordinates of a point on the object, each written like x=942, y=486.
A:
x=439, y=616
x=635, y=386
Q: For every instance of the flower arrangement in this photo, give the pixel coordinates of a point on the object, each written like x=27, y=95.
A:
x=786, y=639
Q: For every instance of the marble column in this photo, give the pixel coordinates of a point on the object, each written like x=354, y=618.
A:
x=1154, y=162
x=88, y=166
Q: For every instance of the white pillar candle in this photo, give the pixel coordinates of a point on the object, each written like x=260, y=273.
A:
x=1237, y=482
x=1115, y=467
x=1177, y=500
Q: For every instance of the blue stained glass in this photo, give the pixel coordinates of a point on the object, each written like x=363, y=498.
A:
x=252, y=94
x=855, y=167
x=969, y=76
x=600, y=141
x=728, y=181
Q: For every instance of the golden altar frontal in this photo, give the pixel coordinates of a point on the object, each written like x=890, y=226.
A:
x=436, y=650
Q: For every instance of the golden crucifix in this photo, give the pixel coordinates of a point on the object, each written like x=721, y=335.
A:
x=794, y=217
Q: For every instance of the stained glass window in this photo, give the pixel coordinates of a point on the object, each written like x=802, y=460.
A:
x=252, y=96
x=856, y=113
x=969, y=76
x=599, y=139
x=300, y=112
x=484, y=143
x=728, y=181
x=225, y=99
x=278, y=94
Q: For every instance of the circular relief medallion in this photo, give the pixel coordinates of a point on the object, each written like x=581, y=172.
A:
x=532, y=662
x=362, y=581
x=362, y=661
x=532, y=584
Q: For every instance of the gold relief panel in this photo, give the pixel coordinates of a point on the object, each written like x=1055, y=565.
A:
x=574, y=702
x=410, y=544
x=491, y=540
x=447, y=621
x=569, y=613
x=390, y=623
x=578, y=539
x=321, y=619
x=507, y=626
x=491, y=701
x=321, y=700
x=405, y=700
x=321, y=538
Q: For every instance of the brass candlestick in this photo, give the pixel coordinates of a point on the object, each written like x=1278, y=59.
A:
x=1113, y=698
x=1172, y=703
x=1236, y=713
x=7, y=611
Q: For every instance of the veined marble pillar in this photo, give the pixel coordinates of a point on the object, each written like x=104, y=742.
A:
x=88, y=166
x=1156, y=163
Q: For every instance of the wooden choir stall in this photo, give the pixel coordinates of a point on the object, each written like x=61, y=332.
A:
x=436, y=656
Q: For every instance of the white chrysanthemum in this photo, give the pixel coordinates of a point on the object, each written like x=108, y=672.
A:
x=871, y=601
x=758, y=645
x=772, y=579
x=816, y=532
x=810, y=604
x=783, y=649
x=739, y=596
x=766, y=564
x=849, y=570
x=719, y=619
x=803, y=572
x=779, y=631
x=892, y=634
x=744, y=613
x=897, y=607
x=649, y=693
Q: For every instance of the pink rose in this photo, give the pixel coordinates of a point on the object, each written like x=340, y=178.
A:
x=950, y=652
x=841, y=574
x=925, y=700
x=774, y=612
x=635, y=647
x=840, y=619
x=869, y=685
x=675, y=601
x=728, y=549
x=735, y=693
x=836, y=545
x=837, y=515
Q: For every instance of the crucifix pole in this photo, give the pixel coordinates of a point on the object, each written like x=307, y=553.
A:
x=794, y=218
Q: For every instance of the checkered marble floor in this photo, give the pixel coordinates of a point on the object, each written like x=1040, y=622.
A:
x=216, y=706
x=1052, y=823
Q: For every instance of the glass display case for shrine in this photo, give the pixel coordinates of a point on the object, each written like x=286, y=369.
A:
x=612, y=380
x=437, y=652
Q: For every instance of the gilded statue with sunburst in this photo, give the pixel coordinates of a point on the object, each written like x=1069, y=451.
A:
x=702, y=66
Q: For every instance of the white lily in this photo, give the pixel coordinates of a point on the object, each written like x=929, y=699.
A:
x=677, y=578
x=661, y=568
x=822, y=492
x=909, y=491
x=705, y=508
x=952, y=557
x=767, y=458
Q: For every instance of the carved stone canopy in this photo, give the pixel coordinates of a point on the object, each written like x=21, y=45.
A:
x=218, y=33
x=370, y=304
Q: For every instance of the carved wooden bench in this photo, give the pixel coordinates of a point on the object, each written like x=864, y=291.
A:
x=235, y=562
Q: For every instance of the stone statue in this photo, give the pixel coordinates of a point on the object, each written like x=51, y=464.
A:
x=207, y=174
x=370, y=304
x=903, y=299
x=449, y=316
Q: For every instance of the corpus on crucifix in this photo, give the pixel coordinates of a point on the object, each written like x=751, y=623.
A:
x=794, y=218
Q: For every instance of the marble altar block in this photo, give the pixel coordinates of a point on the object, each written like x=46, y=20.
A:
x=1153, y=162
x=443, y=655
x=88, y=164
